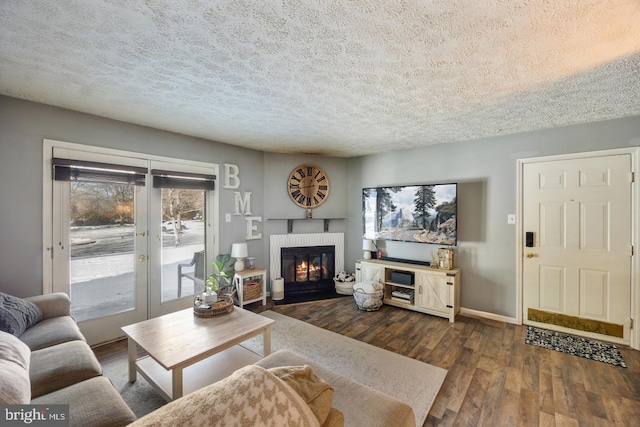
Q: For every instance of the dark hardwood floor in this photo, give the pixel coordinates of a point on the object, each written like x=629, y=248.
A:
x=494, y=378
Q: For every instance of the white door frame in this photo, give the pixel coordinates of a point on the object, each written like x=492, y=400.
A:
x=157, y=307
x=47, y=207
x=634, y=153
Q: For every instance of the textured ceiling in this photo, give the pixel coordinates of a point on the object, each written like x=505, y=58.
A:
x=341, y=78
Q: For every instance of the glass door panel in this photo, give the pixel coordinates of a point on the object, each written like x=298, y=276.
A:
x=183, y=242
x=102, y=249
x=181, y=230
x=128, y=240
x=98, y=243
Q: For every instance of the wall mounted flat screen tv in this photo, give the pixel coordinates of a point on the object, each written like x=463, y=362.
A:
x=411, y=213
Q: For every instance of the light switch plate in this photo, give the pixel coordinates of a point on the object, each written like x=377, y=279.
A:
x=511, y=219
x=227, y=217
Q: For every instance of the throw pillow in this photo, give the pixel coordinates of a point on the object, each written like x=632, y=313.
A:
x=316, y=393
x=335, y=419
x=17, y=314
x=15, y=387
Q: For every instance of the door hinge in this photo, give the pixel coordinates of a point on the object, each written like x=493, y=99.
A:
x=633, y=177
x=630, y=323
x=631, y=250
x=449, y=306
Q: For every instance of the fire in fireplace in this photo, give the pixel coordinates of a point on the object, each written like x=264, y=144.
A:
x=308, y=269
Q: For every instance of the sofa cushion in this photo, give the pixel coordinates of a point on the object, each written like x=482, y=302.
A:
x=51, y=332
x=17, y=314
x=62, y=365
x=14, y=368
x=251, y=396
x=315, y=392
x=52, y=305
x=93, y=402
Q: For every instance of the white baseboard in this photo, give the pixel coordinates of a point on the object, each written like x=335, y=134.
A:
x=486, y=315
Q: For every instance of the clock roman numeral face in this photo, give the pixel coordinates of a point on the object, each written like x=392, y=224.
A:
x=308, y=186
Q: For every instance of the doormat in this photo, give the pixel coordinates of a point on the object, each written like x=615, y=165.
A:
x=577, y=346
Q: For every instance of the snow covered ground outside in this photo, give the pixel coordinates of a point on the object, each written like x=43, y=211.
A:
x=102, y=283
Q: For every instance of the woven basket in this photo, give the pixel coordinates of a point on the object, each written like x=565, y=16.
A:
x=251, y=290
x=368, y=301
x=344, y=288
x=223, y=306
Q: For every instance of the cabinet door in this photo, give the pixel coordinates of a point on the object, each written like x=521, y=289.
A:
x=433, y=292
x=372, y=272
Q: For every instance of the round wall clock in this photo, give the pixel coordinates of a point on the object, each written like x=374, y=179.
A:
x=308, y=186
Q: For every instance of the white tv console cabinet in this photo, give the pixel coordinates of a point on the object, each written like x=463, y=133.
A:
x=422, y=288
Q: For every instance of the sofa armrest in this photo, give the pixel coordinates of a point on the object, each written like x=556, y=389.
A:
x=52, y=305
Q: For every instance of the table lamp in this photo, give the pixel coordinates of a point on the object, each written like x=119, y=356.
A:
x=368, y=246
x=239, y=252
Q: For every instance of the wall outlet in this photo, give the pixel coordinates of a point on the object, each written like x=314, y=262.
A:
x=227, y=217
x=511, y=219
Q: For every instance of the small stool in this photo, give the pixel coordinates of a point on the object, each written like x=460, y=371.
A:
x=368, y=295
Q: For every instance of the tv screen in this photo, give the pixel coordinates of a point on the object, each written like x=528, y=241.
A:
x=411, y=213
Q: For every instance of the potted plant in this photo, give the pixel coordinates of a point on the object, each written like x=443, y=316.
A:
x=220, y=278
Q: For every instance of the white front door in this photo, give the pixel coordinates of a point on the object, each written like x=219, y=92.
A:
x=576, y=269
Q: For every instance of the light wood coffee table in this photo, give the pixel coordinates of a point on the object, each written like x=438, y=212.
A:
x=186, y=353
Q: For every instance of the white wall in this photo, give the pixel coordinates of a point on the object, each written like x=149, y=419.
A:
x=485, y=171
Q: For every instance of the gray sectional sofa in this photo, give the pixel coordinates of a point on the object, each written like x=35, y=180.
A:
x=51, y=363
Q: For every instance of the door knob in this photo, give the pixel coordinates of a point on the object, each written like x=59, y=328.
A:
x=530, y=255
x=142, y=258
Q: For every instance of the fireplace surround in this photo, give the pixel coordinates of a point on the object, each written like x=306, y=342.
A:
x=308, y=269
x=322, y=255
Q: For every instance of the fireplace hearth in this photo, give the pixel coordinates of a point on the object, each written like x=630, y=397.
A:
x=308, y=270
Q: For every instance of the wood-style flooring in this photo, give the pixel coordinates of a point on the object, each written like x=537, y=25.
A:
x=494, y=378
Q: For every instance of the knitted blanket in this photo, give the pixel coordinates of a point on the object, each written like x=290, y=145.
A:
x=251, y=396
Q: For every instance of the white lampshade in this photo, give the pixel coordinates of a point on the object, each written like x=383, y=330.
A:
x=367, y=246
x=239, y=252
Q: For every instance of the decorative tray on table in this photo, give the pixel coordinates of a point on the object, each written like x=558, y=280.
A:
x=224, y=305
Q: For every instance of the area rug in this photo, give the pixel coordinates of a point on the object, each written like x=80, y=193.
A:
x=409, y=380
x=139, y=395
x=577, y=346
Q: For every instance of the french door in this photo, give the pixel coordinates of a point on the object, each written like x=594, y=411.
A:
x=124, y=231
x=181, y=234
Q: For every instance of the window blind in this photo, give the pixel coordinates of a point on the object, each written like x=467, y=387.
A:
x=80, y=170
x=183, y=180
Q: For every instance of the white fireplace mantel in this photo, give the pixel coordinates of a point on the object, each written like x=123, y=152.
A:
x=279, y=241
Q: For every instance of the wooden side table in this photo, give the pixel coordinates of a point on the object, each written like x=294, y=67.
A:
x=239, y=278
